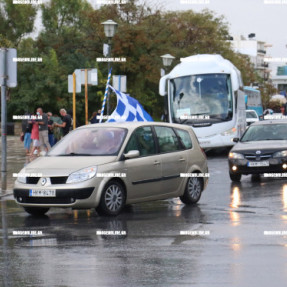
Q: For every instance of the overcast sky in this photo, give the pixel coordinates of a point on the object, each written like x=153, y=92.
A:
x=267, y=21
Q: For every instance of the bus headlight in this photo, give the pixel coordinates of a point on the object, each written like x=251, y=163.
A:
x=229, y=132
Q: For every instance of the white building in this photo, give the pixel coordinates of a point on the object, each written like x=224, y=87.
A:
x=280, y=82
x=256, y=50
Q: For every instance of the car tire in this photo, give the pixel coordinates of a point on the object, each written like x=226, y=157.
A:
x=193, y=190
x=235, y=177
x=36, y=211
x=112, y=200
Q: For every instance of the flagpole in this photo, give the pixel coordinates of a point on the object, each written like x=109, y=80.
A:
x=105, y=96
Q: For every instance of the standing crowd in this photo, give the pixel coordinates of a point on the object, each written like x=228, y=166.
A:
x=42, y=132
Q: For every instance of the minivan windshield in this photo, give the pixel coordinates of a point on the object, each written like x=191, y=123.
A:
x=90, y=141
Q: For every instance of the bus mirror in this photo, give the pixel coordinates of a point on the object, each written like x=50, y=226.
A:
x=162, y=85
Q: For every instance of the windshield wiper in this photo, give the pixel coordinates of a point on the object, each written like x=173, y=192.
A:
x=75, y=154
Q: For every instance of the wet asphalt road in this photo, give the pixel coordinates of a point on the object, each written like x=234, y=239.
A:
x=227, y=244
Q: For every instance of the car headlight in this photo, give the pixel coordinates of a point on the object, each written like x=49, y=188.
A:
x=82, y=174
x=229, y=132
x=22, y=179
x=282, y=153
x=235, y=155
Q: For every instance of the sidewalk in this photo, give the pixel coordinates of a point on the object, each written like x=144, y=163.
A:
x=16, y=159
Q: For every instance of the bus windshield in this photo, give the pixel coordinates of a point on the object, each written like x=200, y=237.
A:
x=206, y=97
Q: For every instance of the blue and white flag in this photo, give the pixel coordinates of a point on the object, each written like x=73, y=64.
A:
x=128, y=109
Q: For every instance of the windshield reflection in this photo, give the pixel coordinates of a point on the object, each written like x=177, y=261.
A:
x=207, y=94
x=265, y=132
x=90, y=141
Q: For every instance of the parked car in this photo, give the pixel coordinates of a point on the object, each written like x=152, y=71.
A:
x=262, y=149
x=251, y=117
x=109, y=165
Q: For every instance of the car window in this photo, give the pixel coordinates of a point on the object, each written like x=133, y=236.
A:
x=251, y=115
x=90, y=141
x=167, y=139
x=142, y=140
x=265, y=132
x=185, y=138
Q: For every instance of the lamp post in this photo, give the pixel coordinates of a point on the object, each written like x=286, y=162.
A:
x=167, y=61
x=110, y=29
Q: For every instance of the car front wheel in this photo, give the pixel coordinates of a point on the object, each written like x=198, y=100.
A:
x=192, y=191
x=36, y=211
x=235, y=177
x=112, y=200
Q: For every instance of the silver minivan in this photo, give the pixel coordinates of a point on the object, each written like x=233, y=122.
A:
x=106, y=166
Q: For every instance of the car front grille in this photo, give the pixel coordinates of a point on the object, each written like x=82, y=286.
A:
x=257, y=157
x=32, y=180
x=54, y=180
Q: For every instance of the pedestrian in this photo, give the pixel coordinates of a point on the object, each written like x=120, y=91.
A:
x=26, y=133
x=43, y=129
x=50, y=129
x=66, y=124
x=35, y=137
x=94, y=118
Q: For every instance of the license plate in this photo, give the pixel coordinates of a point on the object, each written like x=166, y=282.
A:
x=42, y=193
x=258, y=163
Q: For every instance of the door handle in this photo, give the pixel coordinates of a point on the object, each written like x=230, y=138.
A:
x=156, y=162
x=181, y=159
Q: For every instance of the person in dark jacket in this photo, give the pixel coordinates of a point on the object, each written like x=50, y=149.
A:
x=94, y=119
x=66, y=124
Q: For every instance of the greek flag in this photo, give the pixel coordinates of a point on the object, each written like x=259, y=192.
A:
x=128, y=109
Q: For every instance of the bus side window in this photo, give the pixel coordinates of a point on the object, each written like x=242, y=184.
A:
x=236, y=99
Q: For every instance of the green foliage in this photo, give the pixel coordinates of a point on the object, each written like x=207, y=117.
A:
x=267, y=90
x=16, y=20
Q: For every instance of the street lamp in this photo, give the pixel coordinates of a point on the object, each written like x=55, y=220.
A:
x=167, y=61
x=110, y=28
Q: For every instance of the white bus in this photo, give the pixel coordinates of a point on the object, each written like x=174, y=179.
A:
x=206, y=92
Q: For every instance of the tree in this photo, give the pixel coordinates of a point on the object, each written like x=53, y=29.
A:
x=16, y=21
x=73, y=37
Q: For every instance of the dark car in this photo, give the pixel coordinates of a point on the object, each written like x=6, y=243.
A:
x=262, y=149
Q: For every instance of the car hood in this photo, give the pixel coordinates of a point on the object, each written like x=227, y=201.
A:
x=64, y=165
x=260, y=145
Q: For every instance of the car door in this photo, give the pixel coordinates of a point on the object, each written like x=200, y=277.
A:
x=144, y=172
x=173, y=159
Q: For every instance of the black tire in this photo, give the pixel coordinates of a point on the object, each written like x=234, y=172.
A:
x=36, y=211
x=193, y=190
x=235, y=177
x=112, y=200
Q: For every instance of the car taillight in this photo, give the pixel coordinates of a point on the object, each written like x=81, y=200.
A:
x=202, y=150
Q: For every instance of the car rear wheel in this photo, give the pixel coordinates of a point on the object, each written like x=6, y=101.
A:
x=36, y=211
x=235, y=177
x=112, y=200
x=192, y=191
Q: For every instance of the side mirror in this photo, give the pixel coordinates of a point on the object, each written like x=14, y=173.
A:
x=132, y=154
x=236, y=140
